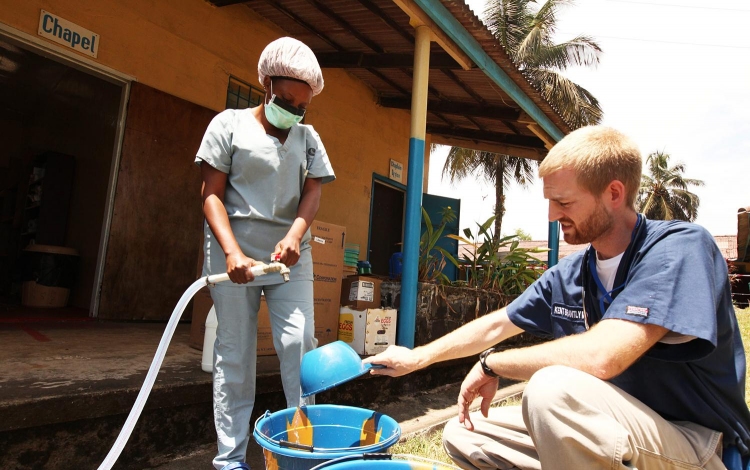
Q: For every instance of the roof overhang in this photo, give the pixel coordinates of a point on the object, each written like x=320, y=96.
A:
x=374, y=41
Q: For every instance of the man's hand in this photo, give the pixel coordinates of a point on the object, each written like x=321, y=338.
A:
x=475, y=384
x=397, y=360
x=288, y=250
x=238, y=268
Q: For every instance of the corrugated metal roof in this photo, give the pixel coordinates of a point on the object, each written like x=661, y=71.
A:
x=373, y=40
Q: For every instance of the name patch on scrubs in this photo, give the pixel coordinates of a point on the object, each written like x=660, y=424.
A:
x=567, y=313
x=640, y=311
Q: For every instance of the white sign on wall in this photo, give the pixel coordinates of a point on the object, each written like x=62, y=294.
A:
x=397, y=171
x=68, y=34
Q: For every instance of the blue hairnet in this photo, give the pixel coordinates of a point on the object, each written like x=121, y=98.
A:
x=288, y=57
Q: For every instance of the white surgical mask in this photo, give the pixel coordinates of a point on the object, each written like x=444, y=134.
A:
x=281, y=115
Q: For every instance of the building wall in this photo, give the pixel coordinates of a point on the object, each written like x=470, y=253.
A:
x=188, y=49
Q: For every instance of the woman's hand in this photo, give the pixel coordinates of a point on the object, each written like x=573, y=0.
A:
x=287, y=250
x=238, y=268
x=476, y=384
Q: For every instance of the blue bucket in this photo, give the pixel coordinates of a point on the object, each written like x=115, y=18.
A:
x=301, y=438
x=384, y=462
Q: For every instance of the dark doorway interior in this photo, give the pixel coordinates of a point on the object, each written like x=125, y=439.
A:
x=58, y=127
x=386, y=226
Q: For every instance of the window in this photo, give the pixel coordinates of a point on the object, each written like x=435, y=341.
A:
x=241, y=95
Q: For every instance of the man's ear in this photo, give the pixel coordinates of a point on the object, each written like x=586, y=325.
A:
x=615, y=195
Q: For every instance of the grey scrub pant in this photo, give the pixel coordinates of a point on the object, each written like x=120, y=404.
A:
x=570, y=420
x=290, y=307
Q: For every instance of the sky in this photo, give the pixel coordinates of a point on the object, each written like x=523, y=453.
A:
x=674, y=75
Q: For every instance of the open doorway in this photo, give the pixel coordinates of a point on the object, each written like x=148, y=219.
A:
x=59, y=126
x=386, y=223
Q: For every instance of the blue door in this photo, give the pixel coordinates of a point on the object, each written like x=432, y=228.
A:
x=434, y=206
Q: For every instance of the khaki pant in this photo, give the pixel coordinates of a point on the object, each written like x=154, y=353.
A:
x=572, y=420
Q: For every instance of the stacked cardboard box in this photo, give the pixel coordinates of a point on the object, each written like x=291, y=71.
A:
x=360, y=292
x=368, y=331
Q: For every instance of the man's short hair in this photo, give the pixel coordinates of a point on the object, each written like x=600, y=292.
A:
x=598, y=155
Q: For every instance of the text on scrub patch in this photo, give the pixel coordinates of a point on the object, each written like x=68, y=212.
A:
x=568, y=313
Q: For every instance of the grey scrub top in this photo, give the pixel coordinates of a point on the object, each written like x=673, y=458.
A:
x=264, y=187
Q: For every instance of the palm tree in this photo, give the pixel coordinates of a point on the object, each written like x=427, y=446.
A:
x=498, y=169
x=664, y=193
x=527, y=37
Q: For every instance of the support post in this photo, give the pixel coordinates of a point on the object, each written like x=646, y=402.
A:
x=553, y=242
x=407, y=315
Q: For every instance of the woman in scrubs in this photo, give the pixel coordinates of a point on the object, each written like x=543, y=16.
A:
x=262, y=174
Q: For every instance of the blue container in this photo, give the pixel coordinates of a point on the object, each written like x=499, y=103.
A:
x=301, y=438
x=384, y=462
x=395, y=265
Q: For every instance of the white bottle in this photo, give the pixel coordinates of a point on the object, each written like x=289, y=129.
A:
x=209, y=338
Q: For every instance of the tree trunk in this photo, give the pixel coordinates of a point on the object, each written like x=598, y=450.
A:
x=499, y=194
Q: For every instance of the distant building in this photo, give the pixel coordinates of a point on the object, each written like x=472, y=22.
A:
x=726, y=243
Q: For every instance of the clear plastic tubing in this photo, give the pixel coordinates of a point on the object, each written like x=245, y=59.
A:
x=161, y=351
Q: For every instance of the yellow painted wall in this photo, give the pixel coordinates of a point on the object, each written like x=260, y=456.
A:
x=189, y=48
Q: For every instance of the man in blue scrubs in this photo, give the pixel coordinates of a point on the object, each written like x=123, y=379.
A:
x=645, y=368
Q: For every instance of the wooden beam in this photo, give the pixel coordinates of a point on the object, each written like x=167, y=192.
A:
x=492, y=137
x=532, y=125
x=225, y=3
x=549, y=142
x=418, y=17
x=350, y=60
x=524, y=152
x=451, y=107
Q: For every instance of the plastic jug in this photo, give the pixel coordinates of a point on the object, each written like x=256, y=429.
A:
x=209, y=338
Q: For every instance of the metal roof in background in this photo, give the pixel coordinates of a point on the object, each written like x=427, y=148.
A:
x=374, y=41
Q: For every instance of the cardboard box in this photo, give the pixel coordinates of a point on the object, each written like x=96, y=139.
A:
x=327, y=243
x=360, y=292
x=368, y=331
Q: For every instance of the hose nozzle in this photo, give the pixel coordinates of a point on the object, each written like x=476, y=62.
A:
x=279, y=266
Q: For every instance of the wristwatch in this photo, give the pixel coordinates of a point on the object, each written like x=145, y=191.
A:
x=483, y=362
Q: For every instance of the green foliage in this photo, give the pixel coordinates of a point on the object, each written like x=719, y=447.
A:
x=428, y=445
x=500, y=170
x=743, y=320
x=509, y=274
x=664, y=193
x=432, y=258
x=526, y=29
x=522, y=234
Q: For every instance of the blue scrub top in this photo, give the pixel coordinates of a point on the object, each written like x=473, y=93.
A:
x=265, y=180
x=672, y=275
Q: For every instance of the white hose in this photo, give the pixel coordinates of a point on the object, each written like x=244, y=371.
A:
x=161, y=351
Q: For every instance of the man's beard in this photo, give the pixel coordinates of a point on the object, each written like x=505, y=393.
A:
x=590, y=229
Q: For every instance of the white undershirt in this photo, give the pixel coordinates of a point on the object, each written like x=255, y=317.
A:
x=607, y=270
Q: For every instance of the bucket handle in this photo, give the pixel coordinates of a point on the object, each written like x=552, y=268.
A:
x=295, y=445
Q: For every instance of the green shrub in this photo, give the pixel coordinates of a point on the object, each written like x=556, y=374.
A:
x=509, y=274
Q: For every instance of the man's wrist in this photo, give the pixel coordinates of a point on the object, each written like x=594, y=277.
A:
x=483, y=362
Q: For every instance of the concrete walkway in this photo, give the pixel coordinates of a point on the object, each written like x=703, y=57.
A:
x=66, y=389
